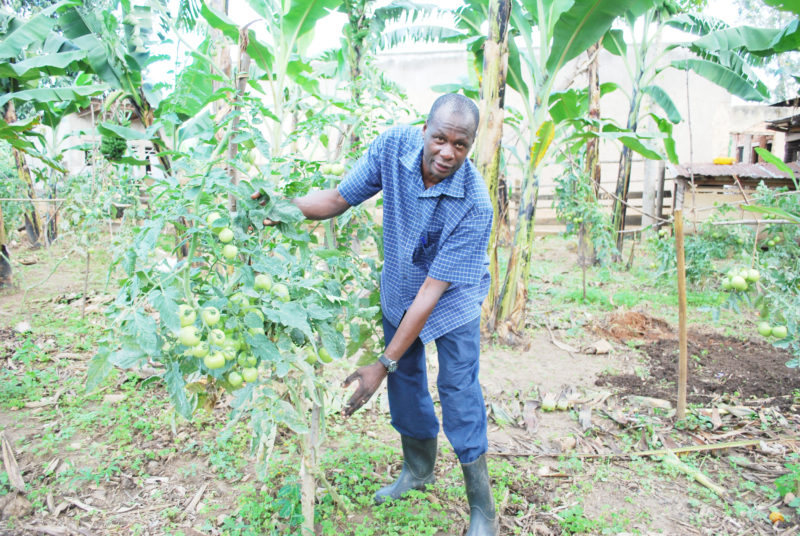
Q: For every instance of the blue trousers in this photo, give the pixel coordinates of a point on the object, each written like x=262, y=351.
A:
x=463, y=409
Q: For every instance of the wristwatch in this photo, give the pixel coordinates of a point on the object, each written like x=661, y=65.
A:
x=390, y=365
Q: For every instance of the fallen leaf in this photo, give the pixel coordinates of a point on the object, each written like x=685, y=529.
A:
x=529, y=416
x=585, y=418
x=599, y=347
x=10, y=463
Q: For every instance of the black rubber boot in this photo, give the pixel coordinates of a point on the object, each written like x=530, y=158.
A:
x=482, y=518
x=419, y=457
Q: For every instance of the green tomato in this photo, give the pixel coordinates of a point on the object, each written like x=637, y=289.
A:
x=252, y=360
x=324, y=355
x=337, y=169
x=189, y=336
x=764, y=329
x=726, y=283
x=235, y=379
x=217, y=337
x=199, y=351
x=214, y=360
x=263, y=282
x=280, y=291
x=780, y=332
x=752, y=275
x=738, y=283
x=241, y=300
x=241, y=360
x=225, y=235
x=212, y=217
x=311, y=357
x=325, y=169
x=210, y=316
x=771, y=243
x=230, y=251
x=249, y=374
x=186, y=314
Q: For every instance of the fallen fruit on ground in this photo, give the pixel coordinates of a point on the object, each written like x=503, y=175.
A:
x=775, y=517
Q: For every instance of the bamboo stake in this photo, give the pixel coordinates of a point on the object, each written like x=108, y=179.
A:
x=683, y=360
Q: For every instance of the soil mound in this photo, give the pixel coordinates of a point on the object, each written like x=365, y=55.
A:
x=720, y=368
x=626, y=325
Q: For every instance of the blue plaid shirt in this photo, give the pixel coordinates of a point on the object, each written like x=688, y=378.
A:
x=442, y=232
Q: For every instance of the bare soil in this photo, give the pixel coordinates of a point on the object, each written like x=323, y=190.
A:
x=552, y=451
x=751, y=371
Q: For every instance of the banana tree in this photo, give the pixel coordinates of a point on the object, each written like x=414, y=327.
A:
x=550, y=33
x=30, y=56
x=713, y=58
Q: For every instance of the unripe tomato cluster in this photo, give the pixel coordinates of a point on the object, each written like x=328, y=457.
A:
x=228, y=330
x=740, y=279
x=332, y=169
x=779, y=332
x=743, y=280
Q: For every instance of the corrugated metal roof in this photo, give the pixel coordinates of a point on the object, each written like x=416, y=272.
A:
x=740, y=170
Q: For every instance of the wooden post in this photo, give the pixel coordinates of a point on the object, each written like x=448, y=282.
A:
x=683, y=360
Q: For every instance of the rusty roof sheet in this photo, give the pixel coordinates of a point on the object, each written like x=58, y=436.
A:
x=740, y=170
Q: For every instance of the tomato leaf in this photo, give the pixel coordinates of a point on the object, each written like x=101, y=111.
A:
x=99, y=369
x=284, y=413
x=126, y=358
x=292, y=315
x=167, y=310
x=175, y=388
x=285, y=211
x=332, y=340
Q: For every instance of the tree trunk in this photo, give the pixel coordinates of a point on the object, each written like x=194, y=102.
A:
x=490, y=134
x=586, y=252
x=33, y=223
x=513, y=299
x=242, y=75
x=624, y=174
x=5, y=264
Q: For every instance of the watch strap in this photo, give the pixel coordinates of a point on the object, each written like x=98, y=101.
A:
x=389, y=364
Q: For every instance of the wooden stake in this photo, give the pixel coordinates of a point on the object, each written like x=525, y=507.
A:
x=683, y=360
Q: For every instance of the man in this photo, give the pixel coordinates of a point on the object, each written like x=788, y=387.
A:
x=437, y=218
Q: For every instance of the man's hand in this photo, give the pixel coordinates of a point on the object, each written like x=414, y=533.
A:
x=268, y=222
x=369, y=379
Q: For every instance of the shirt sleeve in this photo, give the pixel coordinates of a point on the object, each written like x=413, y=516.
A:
x=364, y=179
x=461, y=258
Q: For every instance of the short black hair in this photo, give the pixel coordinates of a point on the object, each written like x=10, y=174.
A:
x=457, y=103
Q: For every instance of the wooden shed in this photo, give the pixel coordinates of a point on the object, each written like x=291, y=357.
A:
x=735, y=184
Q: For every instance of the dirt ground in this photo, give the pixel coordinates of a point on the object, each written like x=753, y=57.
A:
x=719, y=366
x=570, y=459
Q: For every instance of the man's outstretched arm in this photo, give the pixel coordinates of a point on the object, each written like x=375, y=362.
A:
x=371, y=376
x=317, y=205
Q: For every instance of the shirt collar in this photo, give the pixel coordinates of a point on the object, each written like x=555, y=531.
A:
x=452, y=186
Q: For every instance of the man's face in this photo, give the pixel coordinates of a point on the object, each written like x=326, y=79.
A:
x=447, y=139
